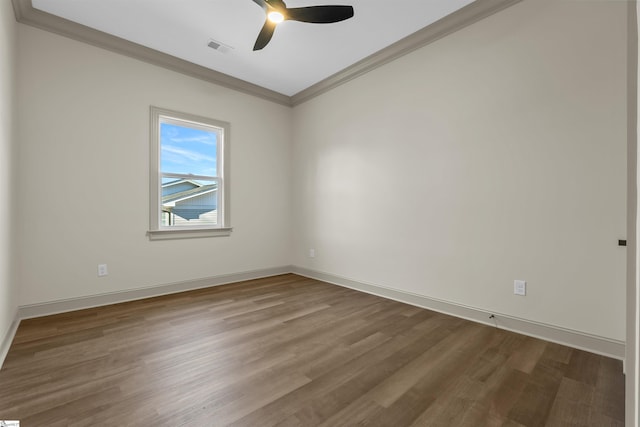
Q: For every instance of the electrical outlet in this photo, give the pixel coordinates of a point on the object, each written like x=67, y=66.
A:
x=312, y=253
x=519, y=287
x=102, y=270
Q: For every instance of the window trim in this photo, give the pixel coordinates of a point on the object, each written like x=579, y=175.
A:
x=156, y=231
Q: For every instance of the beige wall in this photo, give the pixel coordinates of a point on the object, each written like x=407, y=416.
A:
x=8, y=29
x=398, y=179
x=494, y=154
x=83, y=179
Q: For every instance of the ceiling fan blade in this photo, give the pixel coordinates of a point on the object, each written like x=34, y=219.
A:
x=265, y=35
x=261, y=3
x=276, y=4
x=320, y=14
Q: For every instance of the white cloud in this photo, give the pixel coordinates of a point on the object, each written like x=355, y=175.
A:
x=203, y=139
x=191, y=155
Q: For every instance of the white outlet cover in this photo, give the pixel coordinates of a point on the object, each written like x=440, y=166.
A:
x=102, y=270
x=519, y=287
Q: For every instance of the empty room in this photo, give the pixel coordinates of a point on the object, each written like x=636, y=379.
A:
x=252, y=213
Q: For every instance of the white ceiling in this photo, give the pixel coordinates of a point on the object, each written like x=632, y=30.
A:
x=299, y=55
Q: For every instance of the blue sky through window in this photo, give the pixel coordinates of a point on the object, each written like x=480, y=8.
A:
x=186, y=150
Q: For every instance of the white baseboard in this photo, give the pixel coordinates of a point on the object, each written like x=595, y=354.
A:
x=63, y=306
x=6, y=341
x=571, y=338
x=576, y=339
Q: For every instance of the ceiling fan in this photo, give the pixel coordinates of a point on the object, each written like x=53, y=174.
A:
x=277, y=11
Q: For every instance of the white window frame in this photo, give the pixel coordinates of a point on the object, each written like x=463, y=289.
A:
x=156, y=230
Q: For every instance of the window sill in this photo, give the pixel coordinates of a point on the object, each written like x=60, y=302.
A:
x=188, y=233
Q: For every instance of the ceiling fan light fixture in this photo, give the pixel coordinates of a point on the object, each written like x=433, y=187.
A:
x=275, y=17
x=277, y=11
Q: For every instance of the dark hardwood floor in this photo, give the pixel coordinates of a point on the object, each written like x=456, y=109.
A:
x=292, y=351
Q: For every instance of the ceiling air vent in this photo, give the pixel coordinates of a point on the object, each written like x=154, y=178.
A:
x=220, y=47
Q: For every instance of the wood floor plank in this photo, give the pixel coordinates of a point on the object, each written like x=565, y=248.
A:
x=584, y=367
x=293, y=351
x=359, y=374
x=609, y=390
x=526, y=356
x=445, y=353
x=539, y=394
x=572, y=404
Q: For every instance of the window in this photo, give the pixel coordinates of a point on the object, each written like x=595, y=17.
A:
x=189, y=180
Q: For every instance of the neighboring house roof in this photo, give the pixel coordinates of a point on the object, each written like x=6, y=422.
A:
x=171, y=199
x=180, y=181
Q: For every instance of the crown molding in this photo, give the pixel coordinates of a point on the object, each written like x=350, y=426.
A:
x=26, y=14
x=451, y=23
